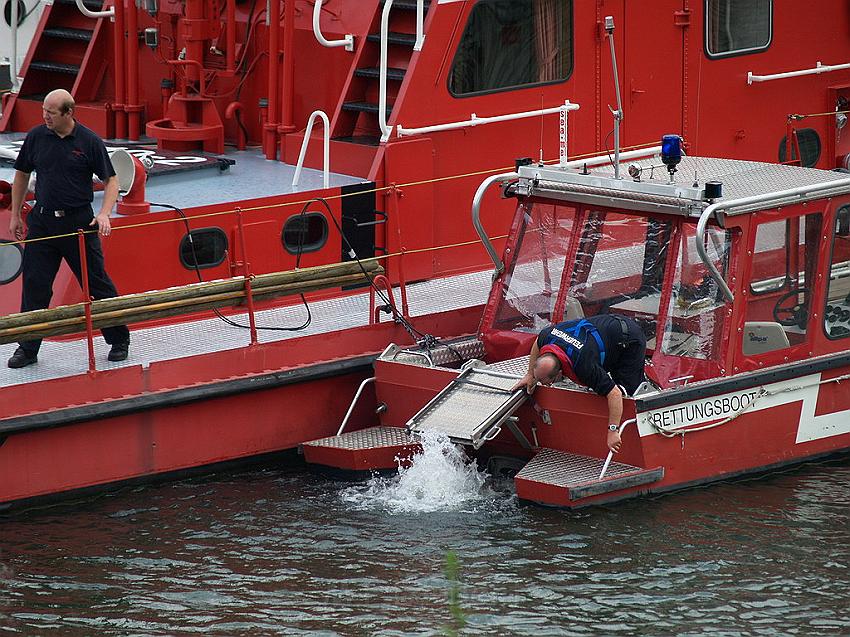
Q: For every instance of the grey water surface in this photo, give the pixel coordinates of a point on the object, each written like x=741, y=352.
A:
x=283, y=552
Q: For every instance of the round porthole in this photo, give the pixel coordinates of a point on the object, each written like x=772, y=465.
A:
x=11, y=261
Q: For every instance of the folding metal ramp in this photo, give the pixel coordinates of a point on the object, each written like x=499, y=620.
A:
x=473, y=408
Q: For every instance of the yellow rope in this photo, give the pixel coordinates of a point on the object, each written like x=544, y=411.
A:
x=305, y=201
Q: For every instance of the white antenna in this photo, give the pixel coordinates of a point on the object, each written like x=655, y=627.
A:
x=618, y=114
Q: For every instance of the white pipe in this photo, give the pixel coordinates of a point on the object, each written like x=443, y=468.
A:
x=347, y=40
x=474, y=120
x=94, y=14
x=420, y=25
x=819, y=68
x=476, y=218
x=13, y=59
x=611, y=453
x=326, y=147
x=382, y=76
x=353, y=403
x=781, y=195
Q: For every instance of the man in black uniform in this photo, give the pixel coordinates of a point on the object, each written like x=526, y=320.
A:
x=65, y=154
x=605, y=352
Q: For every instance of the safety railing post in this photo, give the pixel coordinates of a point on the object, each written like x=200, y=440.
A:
x=326, y=149
x=246, y=273
x=382, y=75
x=402, y=281
x=84, y=282
x=347, y=40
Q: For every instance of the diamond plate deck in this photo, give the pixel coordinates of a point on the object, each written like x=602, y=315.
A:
x=59, y=359
x=564, y=479
x=371, y=438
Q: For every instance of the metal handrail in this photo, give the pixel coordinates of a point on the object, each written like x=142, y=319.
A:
x=353, y=404
x=598, y=160
x=347, y=40
x=13, y=59
x=95, y=14
x=611, y=453
x=476, y=218
x=326, y=147
x=382, y=74
x=782, y=195
x=420, y=25
x=474, y=120
x=819, y=68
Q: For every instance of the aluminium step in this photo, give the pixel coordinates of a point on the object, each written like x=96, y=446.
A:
x=560, y=478
x=394, y=37
x=373, y=72
x=371, y=449
x=54, y=67
x=64, y=33
x=365, y=107
x=472, y=408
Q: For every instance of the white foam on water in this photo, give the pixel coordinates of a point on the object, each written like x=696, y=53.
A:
x=440, y=478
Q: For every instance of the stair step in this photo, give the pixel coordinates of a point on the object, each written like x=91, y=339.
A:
x=364, y=107
x=54, y=67
x=369, y=449
x=407, y=5
x=394, y=74
x=83, y=35
x=363, y=140
x=394, y=37
x=563, y=479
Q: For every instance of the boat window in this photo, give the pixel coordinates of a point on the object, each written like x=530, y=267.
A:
x=534, y=274
x=696, y=313
x=808, y=141
x=11, y=260
x=510, y=44
x=207, y=248
x=736, y=27
x=837, y=315
x=784, y=262
x=305, y=233
x=619, y=266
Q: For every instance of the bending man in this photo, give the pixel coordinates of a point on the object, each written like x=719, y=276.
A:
x=605, y=352
x=65, y=154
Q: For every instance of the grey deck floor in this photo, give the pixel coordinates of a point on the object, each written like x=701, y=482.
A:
x=59, y=359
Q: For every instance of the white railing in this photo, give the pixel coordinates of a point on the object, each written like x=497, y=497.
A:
x=605, y=466
x=420, y=25
x=13, y=59
x=382, y=75
x=347, y=40
x=599, y=160
x=95, y=14
x=819, y=68
x=326, y=147
x=474, y=120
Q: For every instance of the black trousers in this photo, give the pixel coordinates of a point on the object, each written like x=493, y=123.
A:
x=632, y=357
x=43, y=258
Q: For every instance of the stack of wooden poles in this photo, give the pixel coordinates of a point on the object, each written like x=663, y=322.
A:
x=135, y=308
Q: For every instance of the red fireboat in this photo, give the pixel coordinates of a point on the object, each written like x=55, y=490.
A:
x=738, y=273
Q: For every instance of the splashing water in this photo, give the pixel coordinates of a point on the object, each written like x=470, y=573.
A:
x=440, y=478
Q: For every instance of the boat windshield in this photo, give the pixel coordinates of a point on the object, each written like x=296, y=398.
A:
x=570, y=261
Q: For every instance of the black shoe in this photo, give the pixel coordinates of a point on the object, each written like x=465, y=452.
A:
x=118, y=352
x=21, y=359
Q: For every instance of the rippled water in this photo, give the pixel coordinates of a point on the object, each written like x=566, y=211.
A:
x=283, y=552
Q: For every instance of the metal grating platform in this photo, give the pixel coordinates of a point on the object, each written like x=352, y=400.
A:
x=59, y=359
x=562, y=478
x=371, y=438
x=472, y=408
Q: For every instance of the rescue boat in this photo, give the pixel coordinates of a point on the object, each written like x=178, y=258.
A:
x=325, y=149
x=738, y=272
